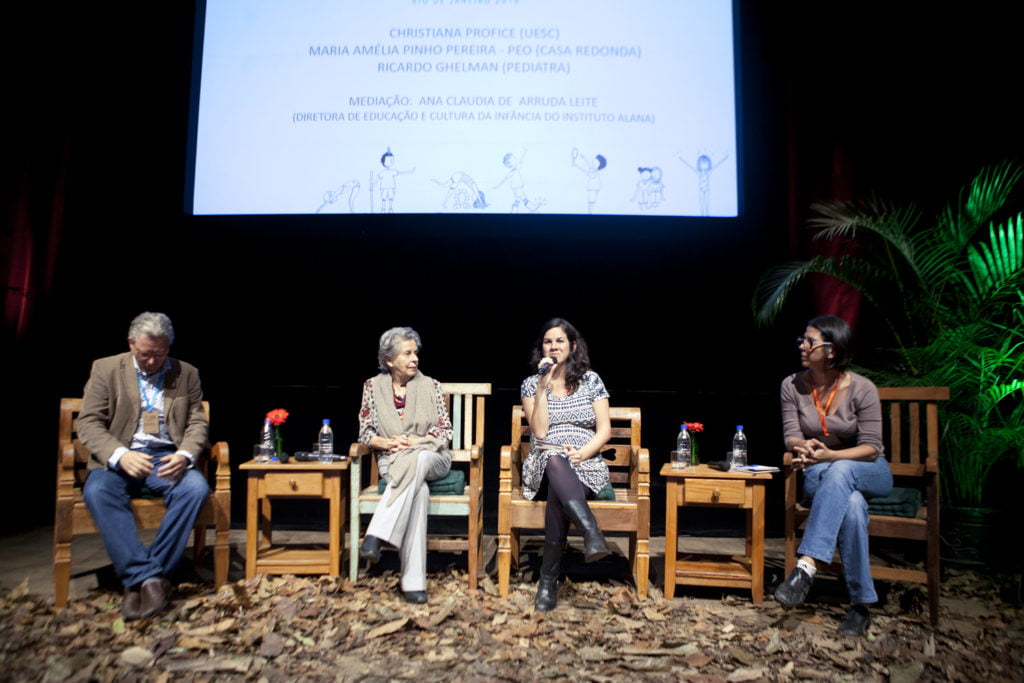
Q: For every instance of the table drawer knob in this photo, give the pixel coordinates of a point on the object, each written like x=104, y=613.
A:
x=293, y=484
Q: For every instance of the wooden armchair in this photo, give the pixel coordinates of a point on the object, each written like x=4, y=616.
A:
x=465, y=403
x=629, y=512
x=911, y=438
x=72, y=516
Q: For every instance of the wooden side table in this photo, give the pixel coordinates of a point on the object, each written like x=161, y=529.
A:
x=315, y=480
x=701, y=486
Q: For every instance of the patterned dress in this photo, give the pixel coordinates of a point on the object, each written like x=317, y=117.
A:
x=571, y=422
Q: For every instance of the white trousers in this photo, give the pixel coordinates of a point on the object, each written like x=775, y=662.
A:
x=403, y=523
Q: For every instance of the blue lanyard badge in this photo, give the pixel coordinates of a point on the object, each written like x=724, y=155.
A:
x=150, y=391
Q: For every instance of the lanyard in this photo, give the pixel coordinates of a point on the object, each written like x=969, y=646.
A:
x=149, y=400
x=817, y=403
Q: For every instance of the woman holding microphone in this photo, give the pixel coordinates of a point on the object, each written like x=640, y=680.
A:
x=566, y=405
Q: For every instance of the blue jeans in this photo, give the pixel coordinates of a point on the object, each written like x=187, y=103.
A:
x=108, y=493
x=839, y=514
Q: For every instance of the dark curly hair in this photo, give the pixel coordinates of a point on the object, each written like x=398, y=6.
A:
x=578, y=361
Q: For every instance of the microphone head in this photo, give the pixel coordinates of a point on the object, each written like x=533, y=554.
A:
x=544, y=368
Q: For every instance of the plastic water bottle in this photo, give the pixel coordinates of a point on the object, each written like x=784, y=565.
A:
x=684, y=447
x=739, y=448
x=325, y=443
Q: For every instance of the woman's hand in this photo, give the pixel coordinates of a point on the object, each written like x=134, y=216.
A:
x=803, y=455
x=819, y=452
x=400, y=443
x=392, y=444
x=574, y=456
x=812, y=452
x=543, y=379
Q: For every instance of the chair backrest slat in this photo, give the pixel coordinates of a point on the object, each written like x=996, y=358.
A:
x=912, y=433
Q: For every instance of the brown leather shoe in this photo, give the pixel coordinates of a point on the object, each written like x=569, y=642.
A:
x=153, y=594
x=131, y=606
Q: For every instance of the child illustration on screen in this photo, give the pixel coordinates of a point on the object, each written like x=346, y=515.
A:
x=590, y=167
x=703, y=170
x=649, y=191
x=463, y=192
x=515, y=180
x=345, y=195
x=386, y=180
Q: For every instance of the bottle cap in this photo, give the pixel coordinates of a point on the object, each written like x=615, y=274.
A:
x=683, y=427
x=327, y=422
x=739, y=428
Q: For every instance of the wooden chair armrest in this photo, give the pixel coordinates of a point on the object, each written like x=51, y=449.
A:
x=67, y=461
x=475, y=453
x=505, y=462
x=358, y=450
x=787, y=458
x=642, y=460
x=219, y=454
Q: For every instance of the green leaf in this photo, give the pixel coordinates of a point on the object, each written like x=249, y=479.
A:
x=998, y=264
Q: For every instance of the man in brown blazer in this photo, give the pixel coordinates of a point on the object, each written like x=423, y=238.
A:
x=142, y=420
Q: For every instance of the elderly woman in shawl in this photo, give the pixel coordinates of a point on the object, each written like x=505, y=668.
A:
x=404, y=420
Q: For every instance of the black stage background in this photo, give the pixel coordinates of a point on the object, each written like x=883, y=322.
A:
x=838, y=99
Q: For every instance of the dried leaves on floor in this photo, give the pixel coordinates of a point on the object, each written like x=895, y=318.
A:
x=321, y=628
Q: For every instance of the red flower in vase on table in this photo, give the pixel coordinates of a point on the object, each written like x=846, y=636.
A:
x=277, y=418
x=694, y=428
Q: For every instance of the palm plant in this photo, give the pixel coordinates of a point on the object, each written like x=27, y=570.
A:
x=951, y=297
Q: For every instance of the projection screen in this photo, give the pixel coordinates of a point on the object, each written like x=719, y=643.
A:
x=464, y=106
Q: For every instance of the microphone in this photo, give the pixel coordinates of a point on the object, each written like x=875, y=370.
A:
x=544, y=368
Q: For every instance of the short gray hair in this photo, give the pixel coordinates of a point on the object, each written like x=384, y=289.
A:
x=390, y=342
x=154, y=325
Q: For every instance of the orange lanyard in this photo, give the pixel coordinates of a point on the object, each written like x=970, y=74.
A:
x=817, y=403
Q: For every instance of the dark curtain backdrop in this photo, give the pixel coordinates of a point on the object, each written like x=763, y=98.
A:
x=838, y=100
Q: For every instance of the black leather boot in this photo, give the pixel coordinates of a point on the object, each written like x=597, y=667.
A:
x=594, y=545
x=550, y=569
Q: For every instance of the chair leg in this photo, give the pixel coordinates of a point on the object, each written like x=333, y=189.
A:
x=199, y=543
x=504, y=563
x=473, y=552
x=934, y=574
x=61, y=573
x=221, y=557
x=643, y=567
x=62, y=554
x=514, y=546
x=790, y=553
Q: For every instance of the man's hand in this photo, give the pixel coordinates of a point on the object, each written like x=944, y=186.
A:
x=172, y=466
x=136, y=464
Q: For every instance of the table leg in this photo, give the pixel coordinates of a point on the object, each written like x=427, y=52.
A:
x=756, y=519
x=334, y=526
x=671, y=537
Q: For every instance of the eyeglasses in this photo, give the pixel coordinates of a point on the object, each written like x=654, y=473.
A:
x=811, y=341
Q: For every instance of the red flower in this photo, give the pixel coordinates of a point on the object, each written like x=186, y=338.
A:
x=695, y=426
x=278, y=416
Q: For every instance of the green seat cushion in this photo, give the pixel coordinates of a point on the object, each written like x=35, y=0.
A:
x=901, y=502
x=451, y=484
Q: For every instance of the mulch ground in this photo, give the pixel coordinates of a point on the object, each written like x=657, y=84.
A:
x=325, y=629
